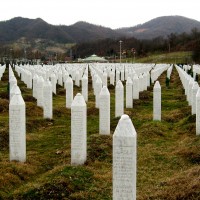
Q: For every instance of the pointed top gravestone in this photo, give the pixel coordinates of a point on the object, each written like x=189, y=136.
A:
x=69, y=92
x=104, y=111
x=129, y=93
x=85, y=87
x=78, y=131
x=17, y=128
x=124, y=160
x=119, y=99
x=157, y=101
x=47, y=100
x=15, y=90
x=194, y=92
x=198, y=112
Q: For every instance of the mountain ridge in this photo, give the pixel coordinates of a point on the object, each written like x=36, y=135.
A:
x=160, y=26
x=32, y=29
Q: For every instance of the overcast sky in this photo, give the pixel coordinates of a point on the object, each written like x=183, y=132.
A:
x=108, y=13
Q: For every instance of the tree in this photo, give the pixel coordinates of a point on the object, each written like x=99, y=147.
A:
x=196, y=52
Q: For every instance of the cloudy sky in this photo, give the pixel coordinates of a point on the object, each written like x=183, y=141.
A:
x=108, y=13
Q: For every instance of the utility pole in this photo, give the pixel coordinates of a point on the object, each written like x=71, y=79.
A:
x=120, y=50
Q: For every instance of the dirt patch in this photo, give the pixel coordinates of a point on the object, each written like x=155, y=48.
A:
x=4, y=138
x=38, y=124
x=33, y=110
x=145, y=95
x=4, y=105
x=29, y=98
x=184, y=186
x=4, y=95
x=61, y=111
x=99, y=148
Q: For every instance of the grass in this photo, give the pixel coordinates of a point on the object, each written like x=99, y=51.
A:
x=172, y=57
x=168, y=154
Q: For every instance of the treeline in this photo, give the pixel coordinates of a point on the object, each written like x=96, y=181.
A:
x=109, y=48
x=130, y=47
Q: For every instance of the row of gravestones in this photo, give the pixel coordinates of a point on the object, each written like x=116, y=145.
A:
x=192, y=91
x=44, y=90
x=139, y=82
x=124, y=138
x=2, y=70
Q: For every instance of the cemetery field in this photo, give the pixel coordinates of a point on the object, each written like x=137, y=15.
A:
x=168, y=151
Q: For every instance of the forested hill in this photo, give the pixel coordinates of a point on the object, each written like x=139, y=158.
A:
x=161, y=26
x=33, y=29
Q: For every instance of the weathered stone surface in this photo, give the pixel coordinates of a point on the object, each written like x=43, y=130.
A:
x=98, y=88
x=17, y=128
x=69, y=92
x=78, y=131
x=194, y=93
x=198, y=112
x=53, y=82
x=135, y=87
x=157, y=101
x=104, y=111
x=124, y=160
x=129, y=93
x=119, y=99
x=35, y=79
x=47, y=100
x=85, y=87
x=40, y=84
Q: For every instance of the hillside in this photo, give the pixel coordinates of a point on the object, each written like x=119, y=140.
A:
x=37, y=35
x=161, y=26
x=32, y=29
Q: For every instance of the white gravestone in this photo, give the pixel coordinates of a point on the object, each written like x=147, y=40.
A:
x=104, y=111
x=122, y=75
x=194, y=93
x=189, y=95
x=112, y=77
x=85, y=87
x=117, y=76
x=98, y=90
x=198, y=112
x=148, y=79
x=53, y=82
x=157, y=101
x=35, y=79
x=29, y=80
x=69, y=92
x=78, y=131
x=124, y=160
x=94, y=78
x=47, y=100
x=13, y=90
x=119, y=99
x=77, y=79
x=135, y=87
x=129, y=93
x=12, y=81
x=40, y=84
x=60, y=78
x=65, y=77
x=140, y=82
x=105, y=79
x=145, y=81
x=17, y=128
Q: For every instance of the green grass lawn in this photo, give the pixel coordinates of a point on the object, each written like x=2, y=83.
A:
x=172, y=57
x=168, y=154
